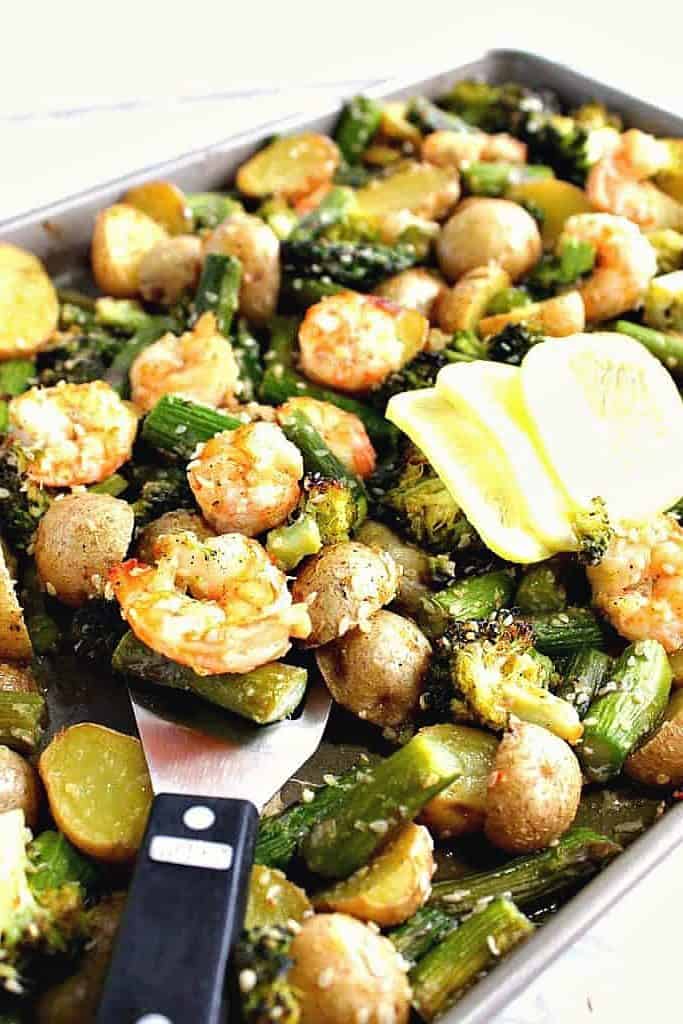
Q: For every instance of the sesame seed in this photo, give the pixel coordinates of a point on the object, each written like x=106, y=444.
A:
x=247, y=980
x=308, y=795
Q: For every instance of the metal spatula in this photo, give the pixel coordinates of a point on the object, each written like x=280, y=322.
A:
x=187, y=900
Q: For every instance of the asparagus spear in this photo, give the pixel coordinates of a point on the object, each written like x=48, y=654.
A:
x=219, y=288
x=582, y=677
x=472, y=598
x=558, y=633
x=177, y=425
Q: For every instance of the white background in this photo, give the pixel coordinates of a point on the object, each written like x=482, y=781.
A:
x=89, y=91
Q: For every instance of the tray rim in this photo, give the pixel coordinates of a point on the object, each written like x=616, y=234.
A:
x=516, y=972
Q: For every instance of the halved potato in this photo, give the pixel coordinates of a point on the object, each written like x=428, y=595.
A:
x=19, y=786
x=163, y=202
x=389, y=889
x=420, y=188
x=99, y=790
x=461, y=307
x=15, y=642
x=273, y=899
x=558, y=200
x=290, y=166
x=659, y=762
x=461, y=806
x=122, y=236
x=558, y=317
x=29, y=309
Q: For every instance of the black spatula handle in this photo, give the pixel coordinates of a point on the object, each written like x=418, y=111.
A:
x=185, y=907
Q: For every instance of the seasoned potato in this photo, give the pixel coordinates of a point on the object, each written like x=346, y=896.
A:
x=556, y=318
x=422, y=189
x=121, y=237
x=482, y=231
x=534, y=790
x=395, y=124
x=343, y=586
x=461, y=307
x=413, y=563
x=180, y=521
x=461, y=806
x=28, y=303
x=418, y=289
x=79, y=539
x=659, y=762
x=377, y=671
x=344, y=973
x=19, y=788
x=15, y=642
x=170, y=268
x=257, y=248
x=291, y=166
x=273, y=899
x=558, y=200
x=163, y=202
x=392, y=887
x=17, y=678
x=98, y=788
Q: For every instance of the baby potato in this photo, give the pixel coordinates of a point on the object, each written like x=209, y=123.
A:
x=419, y=188
x=29, y=309
x=98, y=789
x=659, y=762
x=273, y=899
x=79, y=539
x=392, y=887
x=257, y=248
x=376, y=671
x=291, y=166
x=19, y=787
x=533, y=791
x=417, y=288
x=182, y=520
x=484, y=230
x=15, y=643
x=170, y=268
x=163, y=202
x=343, y=586
x=558, y=201
x=414, y=583
x=344, y=973
x=122, y=236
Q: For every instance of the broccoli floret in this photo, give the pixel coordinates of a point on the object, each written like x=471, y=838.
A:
x=326, y=514
x=421, y=371
x=593, y=531
x=22, y=503
x=668, y=245
x=512, y=344
x=262, y=963
x=96, y=629
x=79, y=358
x=497, y=108
x=565, y=144
x=161, y=489
x=596, y=115
x=34, y=922
x=494, y=672
x=574, y=259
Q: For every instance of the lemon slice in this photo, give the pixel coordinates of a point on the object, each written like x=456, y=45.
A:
x=609, y=419
x=475, y=467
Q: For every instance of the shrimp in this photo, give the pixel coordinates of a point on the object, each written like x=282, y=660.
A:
x=638, y=584
x=73, y=433
x=624, y=265
x=617, y=182
x=353, y=342
x=200, y=365
x=218, y=605
x=343, y=432
x=246, y=480
x=456, y=149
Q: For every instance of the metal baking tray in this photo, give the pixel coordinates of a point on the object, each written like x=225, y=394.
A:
x=60, y=235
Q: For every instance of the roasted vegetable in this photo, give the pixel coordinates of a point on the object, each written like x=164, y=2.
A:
x=582, y=677
x=326, y=514
x=667, y=346
x=482, y=231
x=22, y=503
x=461, y=807
x=497, y=108
x=15, y=642
x=360, y=267
x=28, y=303
x=250, y=241
x=263, y=963
x=560, y=633
x=664, y=302
x=273, y=899
x=177, y=425
x=291, y=166
x=541, y=590
x=22, y=708
x=473, y=597
x=413, y=585
x=19, y=788
x=121, y=237
x=161, y=489
x=573, y=260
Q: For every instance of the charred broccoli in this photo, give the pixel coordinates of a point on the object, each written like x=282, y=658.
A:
x=497, y=108
x=161, y=489
x=574, y=259
x=594, y=532
x=326, y=514
x=569, y=146
x=262, y=962
x=22, y=503
x=421, y=371
x=96, y=629
x=668, y=245
x=79, y=358
x=512, y=344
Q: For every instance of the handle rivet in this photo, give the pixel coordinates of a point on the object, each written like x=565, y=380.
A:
x=197, y=818
x=154, y=1018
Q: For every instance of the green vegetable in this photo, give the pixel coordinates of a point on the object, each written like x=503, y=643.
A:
x=474, y=597
x=79, y=358
x=55, y=862
x=161, y=489
x=22, y=503
x=420, y=933
x=288, y=545
x=668, y=244
x=625, y=709
x=441, y=977
x=326, y=514
x=512, y=344
x=356, y=266
x=42, y=628
x=333, y=208
x=359, y=121
x=667, y=346
x=507, y=300
x=247, y=352
x=21, y=720
x=389, y=794
x=497, y=108
x=209, y=209
x=495, y=178
x=117, y=373
x=540, y=590
x=565, y=144
x=267, y=694
x=96, y=629
x=554, y=272
x=265, y=953
x=125, y=315
x=594, y=532
x=430, y=118
x=114, y=485
x=620, y=812
x=582, y=677
x=16, y=376
x=421, y=371
x=177, y=425
x=303, y=292
x=219, y=288
x=561, y=633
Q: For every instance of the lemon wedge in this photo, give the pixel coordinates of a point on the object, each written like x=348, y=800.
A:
x=466, y=428
x=609, y=420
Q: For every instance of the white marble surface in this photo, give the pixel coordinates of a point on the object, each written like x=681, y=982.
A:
x=88, y=93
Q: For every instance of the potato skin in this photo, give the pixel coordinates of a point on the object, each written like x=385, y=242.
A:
x=417, y=288
x=19, y=787
x=257, y=248
x=377, y=671
x=170, y=268
x=343, y=586
x=414, y=583
x=484, y=230
x=121, y=237
x=178, y=521
x=79, y=539
x=659, y=762
x=534, y=790
x=341, y=968
x=15, y=643
x=17, y=678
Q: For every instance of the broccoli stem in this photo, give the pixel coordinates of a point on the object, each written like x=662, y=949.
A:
x=442, y=976
x=583, y=676
x=359, y=121
x=21, y=718
x=472, y=598
x=388, y=795
x=219, y=288
x=288, y=545
x=177, y=425
x=16, y=376
x=667, y=346
x=562, y=633
x=626, y=709
x=266, y=694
